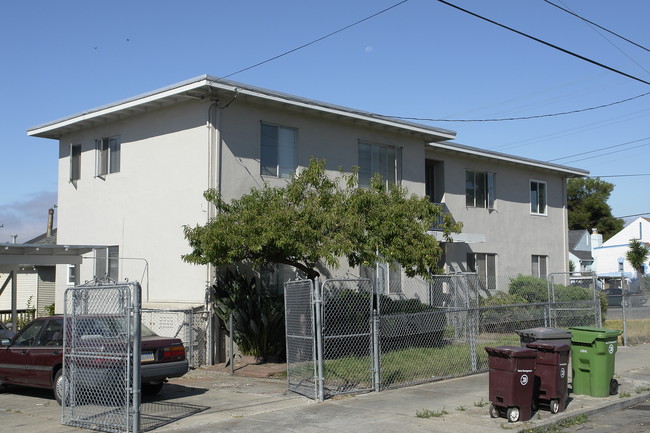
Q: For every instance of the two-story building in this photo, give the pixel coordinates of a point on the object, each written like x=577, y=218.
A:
x=132, y=174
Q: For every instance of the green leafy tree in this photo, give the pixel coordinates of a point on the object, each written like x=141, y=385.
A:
x=316, y=219
x=637, y=255
x=588, y=208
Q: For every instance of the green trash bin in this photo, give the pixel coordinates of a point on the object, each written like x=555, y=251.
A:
x=593, y=353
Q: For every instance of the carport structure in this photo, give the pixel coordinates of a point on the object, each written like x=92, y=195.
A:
x=12, y=256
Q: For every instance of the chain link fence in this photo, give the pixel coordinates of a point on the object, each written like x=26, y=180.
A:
x=428, y=330
x=99, y=383
x=628, y=308
x=190, y=325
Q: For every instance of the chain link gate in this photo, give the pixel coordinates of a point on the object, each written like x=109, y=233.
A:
x=101, y=357
x=573, y=300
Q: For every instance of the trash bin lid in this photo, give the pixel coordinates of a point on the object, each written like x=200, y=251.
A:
x=542, y=333
x=511, y=352
x=587, y=334
x=549, y=346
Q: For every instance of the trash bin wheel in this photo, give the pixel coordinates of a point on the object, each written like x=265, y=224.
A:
x=494, y=411
x=613, y=387
x=513, y=414
x=554, y=406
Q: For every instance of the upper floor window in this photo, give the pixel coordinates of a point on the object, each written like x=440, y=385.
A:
x=107, y=151
x=75, y=162
x=385, y=277
x=278, y=153
x=379, y=158
x=479, y=189
x=538, y=197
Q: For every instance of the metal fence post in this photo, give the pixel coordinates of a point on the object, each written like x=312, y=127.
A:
x=319, y=340
x=231, y=345
x=623, y=308
x=376, y=349
x=137, y=337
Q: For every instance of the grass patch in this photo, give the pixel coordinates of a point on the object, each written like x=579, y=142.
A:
x=638, y=330
x=641, y=389
x=559, y=426
x=461, y=409
x=481, y=403
x=414, y=364
x=624, y=394
x=427, y=413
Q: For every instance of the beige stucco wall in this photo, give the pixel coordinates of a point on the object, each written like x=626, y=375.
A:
x=510, y=230
x=165, y=169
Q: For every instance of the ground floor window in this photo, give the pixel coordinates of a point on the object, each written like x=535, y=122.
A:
x=485, y=265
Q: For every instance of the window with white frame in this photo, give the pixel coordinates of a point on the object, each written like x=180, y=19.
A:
x=539, y=266
x=72, y=275
x=107, y=151
x=278, y=150
x=386, y=278
x=274, y=277
x=75, y=162
x=538, y=197
x=107, y=263
x=379, y=159
x=479, y=189
x=485, y=265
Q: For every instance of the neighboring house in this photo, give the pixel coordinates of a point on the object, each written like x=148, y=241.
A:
x=580, y=250
x=36, y=286
x=132, y=174
x=610, y=256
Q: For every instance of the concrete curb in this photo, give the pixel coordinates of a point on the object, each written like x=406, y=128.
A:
x=608, y=407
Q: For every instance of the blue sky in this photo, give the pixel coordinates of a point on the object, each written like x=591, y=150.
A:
x=420, y=59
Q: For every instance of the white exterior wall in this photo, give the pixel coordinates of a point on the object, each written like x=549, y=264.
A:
x=141, y=209
x=606, y=257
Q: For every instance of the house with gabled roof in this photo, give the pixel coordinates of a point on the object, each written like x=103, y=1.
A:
x=132, y=174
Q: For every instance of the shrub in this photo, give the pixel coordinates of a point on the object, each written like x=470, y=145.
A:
x=532, y=289
x=258, y=317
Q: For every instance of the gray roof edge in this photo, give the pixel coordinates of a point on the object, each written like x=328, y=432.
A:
x=219, y=83
x=576, y=172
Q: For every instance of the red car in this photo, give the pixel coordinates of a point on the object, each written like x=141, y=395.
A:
x=34, y=357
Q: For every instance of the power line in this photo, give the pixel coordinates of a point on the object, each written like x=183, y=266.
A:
x=315, y=40
x=594, y=24
x=599, y=149
x=548, y=44
x=604, y=154
x=622, y=175
x=538, y=116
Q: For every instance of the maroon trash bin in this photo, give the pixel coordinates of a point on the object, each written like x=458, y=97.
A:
x=511, y=377
x=551, y=373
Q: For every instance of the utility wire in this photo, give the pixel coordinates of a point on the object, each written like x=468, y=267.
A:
x=316, y=40
x=593, y=27
x=539, y=116
x=586, y=59
x=598, y=150
x=594, y=24
x=622, y=175
x=605, y=154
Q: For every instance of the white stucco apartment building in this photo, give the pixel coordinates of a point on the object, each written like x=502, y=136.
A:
x=132, y=174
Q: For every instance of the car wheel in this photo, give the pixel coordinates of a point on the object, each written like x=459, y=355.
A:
x=60, y=387
x=152, y=388
x=513, y=414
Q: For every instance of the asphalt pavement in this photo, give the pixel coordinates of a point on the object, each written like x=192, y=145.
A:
x=209, y=399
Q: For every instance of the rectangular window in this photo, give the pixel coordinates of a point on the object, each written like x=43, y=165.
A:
x=386, y=278
x=274, y=276
x=539, y=266
x=72, y=275
x=479, y=189
x=278, y=150
x=107, y=263
x=485, y=265
x=75, y=162
x=107, y=151
x=379, y=159
x=538, y=197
